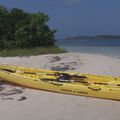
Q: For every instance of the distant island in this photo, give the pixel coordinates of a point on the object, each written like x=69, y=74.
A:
x=82, y=37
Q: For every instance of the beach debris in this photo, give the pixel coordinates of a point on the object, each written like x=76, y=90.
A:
x=22, y=98
x=9, y=98
x=1, y=88
x=2, y=82
x=59, y=68
x=68, y=63
x=11, y=92
x=55, y=59
x=64, y=66
x=7, y=94
x=1, y=85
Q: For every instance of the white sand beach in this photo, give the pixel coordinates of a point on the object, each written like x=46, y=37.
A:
x=17, y=103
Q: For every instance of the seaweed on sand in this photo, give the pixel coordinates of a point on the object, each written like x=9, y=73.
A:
x=1, y=85
x=55, y=59
x=11, y=92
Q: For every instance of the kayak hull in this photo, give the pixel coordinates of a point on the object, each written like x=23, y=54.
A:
x=73, y=88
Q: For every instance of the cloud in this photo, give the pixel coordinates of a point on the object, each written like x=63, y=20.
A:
x=69, y=2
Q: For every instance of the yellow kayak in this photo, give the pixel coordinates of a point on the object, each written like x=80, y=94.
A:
x=63, y=82
x=54, y=75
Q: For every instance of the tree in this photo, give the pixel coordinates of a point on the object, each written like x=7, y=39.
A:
x=3, y=10
x=23, y=30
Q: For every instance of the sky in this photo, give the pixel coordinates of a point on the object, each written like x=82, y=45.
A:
x=75, y=17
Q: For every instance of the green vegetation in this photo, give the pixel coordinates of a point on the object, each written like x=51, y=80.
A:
x=23, y=33
x=31, y=51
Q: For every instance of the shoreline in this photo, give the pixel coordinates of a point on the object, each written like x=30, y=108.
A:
x=37, y=104
x=110, y=51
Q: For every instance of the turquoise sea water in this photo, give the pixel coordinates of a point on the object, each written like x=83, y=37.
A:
x=109, y=47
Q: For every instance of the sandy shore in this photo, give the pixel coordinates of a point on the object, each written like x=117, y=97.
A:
x=18, y=103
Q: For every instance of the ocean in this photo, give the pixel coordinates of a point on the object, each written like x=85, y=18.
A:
x=108, y=47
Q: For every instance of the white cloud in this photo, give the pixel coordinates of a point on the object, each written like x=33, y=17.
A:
x=69, y=2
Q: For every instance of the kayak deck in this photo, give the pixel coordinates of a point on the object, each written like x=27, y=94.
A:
x=51, y=75
x=78, y=84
